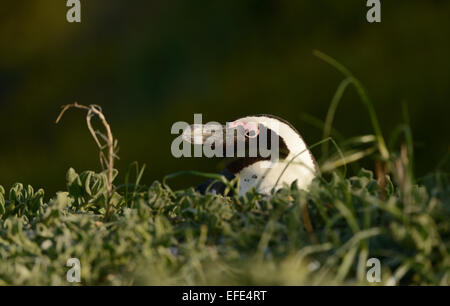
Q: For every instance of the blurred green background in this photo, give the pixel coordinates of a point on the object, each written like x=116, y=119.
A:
x=151, y=63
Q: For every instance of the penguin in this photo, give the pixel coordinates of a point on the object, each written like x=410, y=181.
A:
x=294, y=161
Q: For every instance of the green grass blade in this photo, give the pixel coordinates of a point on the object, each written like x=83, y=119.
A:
x=364, y=98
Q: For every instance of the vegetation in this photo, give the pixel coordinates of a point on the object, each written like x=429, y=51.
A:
x=132, y=234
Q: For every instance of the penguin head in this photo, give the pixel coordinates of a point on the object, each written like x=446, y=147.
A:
x=293, y=162
x=247, y=137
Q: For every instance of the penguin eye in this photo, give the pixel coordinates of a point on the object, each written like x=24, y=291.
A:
x=251, y=133
x=249, y=129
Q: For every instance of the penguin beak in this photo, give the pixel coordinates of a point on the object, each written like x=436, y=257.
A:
x=200, y=134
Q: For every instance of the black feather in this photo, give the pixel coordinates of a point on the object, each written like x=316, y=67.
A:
x=217, y=187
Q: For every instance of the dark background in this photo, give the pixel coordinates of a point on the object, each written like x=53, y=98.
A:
x=151, y=63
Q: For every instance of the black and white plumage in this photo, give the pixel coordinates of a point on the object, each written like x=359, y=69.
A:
x=258, y=171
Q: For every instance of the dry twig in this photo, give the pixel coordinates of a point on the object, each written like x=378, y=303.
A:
x=109, y=143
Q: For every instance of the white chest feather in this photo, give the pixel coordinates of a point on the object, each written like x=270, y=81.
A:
x=264, y=178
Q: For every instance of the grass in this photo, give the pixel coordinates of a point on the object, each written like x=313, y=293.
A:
x=131, y=234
